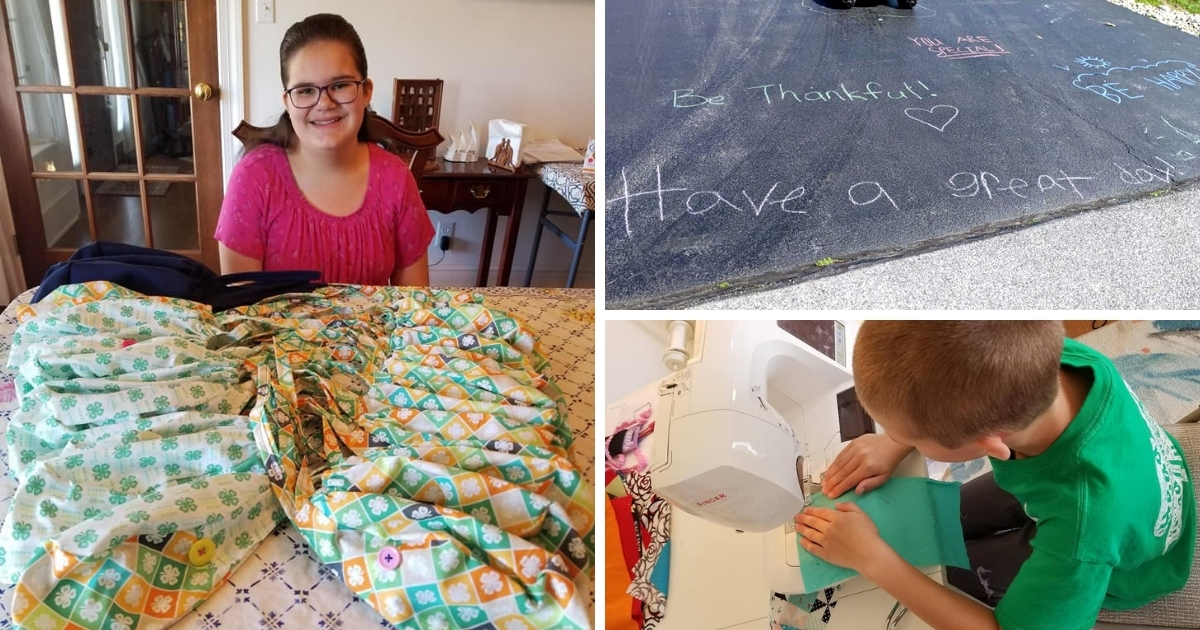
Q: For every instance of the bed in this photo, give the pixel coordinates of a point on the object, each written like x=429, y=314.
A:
x=282, y=581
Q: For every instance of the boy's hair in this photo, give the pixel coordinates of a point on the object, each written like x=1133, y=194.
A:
x=956, y=381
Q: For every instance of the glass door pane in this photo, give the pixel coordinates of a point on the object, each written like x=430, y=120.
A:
x=36, y=28
x=99, y=43
x=118, y=209
x=167, y=134
x=160, y=35
x=108, y=138
x=64, y=213
x=173, y=215
x=53, y=131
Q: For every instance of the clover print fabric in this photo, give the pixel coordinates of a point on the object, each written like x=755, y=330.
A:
x=127, y=450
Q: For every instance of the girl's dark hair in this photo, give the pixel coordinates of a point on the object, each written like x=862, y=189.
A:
x=325, y=27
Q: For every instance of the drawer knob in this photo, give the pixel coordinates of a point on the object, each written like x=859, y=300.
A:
x=480, y=192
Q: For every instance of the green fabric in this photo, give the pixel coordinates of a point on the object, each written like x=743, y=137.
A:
x=127, y=448
x=917, y=517
x=1114, y=507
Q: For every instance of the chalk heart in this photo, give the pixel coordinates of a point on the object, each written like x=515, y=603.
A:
x=931, y=117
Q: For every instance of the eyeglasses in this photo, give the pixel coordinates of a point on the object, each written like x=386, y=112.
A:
x=340, y=92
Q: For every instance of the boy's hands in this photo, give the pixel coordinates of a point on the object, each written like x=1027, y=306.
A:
x=864, y=465
x=846, y=536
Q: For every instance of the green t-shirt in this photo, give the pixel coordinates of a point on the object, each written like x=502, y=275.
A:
x=1114, y=507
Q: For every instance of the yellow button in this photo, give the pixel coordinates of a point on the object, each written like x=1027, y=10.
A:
x=201, y=552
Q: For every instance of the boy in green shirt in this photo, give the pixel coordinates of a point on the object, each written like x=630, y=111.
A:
x=1091, y=504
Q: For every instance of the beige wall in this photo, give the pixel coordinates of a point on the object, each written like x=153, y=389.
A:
x=531, y=61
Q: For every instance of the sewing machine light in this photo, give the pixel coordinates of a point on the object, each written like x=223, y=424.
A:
x=676, y=355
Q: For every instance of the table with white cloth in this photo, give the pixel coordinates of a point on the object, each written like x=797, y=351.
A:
x=578, y=187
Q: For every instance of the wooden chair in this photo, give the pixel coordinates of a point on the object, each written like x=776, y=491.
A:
x=416, y=149
x=417, y=104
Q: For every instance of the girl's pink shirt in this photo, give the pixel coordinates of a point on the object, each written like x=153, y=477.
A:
x=265, y=216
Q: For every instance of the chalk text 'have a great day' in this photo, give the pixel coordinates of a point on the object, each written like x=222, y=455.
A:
x=665, y=202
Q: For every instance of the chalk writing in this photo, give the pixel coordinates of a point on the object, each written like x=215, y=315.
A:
x=984, y=47
x=1176, y=79
x=774, y=93
x=1193, y=138
x=842, y=94
x=879, y=192
x=658, y=191
x=701, y=202
x=930, y=116
x=688, y=98
x=757, y=209
x=1172, y=75
x=1149, y=174
x=673, y=203
x=967, y=184
x=695, y=204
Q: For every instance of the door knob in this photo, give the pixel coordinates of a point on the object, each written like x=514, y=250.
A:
x=204, y=91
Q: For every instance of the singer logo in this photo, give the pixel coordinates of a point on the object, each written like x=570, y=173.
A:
x=712, y=500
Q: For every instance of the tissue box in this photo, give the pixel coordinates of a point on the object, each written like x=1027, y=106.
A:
x=500, y=131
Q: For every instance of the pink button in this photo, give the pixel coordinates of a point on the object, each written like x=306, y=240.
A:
x=389, y=558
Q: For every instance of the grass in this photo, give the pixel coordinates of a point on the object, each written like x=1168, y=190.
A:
x=825, y=262
x=1191, y=6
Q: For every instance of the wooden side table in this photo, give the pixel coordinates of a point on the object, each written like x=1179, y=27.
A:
x=473, y=186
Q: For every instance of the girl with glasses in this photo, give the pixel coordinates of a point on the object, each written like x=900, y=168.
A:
x=315, y=193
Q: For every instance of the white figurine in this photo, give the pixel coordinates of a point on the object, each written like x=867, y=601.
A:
x=462, y=148
x=452, y=151
x=473, y=147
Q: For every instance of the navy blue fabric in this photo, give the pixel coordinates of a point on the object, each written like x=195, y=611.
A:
x=157, y=272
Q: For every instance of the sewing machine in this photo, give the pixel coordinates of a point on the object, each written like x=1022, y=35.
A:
x=746, y=423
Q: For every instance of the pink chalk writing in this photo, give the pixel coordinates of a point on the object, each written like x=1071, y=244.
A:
x=982, y=47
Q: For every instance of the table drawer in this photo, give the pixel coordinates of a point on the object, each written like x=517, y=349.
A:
x=436, y=193
x=482, y=193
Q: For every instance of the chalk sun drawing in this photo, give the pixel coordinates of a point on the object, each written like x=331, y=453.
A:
x=933, y=116
x=1092, y=62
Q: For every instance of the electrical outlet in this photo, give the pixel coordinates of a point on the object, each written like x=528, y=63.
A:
x=445, y=234
x=264, y=11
